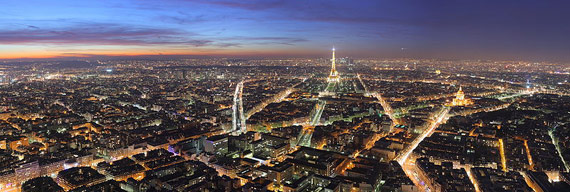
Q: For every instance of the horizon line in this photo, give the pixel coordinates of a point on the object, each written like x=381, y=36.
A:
x=258, y=56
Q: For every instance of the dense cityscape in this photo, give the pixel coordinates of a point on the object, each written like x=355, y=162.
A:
x=284, y=96
x=328, y=124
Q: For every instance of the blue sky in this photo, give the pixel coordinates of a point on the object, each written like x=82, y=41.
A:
x=506, y=29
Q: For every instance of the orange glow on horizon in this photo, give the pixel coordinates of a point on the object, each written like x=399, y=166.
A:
x=111, y=53
x=84, y=55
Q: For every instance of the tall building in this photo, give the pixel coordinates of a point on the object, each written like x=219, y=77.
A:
x=333, y=77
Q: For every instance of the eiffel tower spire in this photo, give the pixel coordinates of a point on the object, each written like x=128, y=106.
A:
x=333, y=77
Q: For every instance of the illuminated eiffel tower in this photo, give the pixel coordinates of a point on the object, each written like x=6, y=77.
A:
x=333, y=77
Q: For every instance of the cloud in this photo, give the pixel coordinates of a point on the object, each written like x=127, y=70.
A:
x=267, y=40
x=100, y=34
x=88, y=33
x=77, y=55
x=247, y=5
x=183, y=19
x=224, y=45
x=317, y=10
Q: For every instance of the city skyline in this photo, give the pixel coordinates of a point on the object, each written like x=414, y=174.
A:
x=284, y=96
x=522, y=30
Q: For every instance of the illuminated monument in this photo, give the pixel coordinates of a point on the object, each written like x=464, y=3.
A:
x=333, y=77
x=460, y=99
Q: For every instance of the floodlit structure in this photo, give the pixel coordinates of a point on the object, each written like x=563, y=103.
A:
x=333, y=77
x=460, y=99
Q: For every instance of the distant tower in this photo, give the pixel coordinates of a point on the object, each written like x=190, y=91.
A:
x=528, y=85
x=333, y=77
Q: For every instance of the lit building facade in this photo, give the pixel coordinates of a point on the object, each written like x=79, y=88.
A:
x=460, y=99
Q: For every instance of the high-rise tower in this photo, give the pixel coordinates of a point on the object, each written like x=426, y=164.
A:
x=333, y=77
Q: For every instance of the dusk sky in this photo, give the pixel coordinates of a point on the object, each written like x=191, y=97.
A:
x=483, y=29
